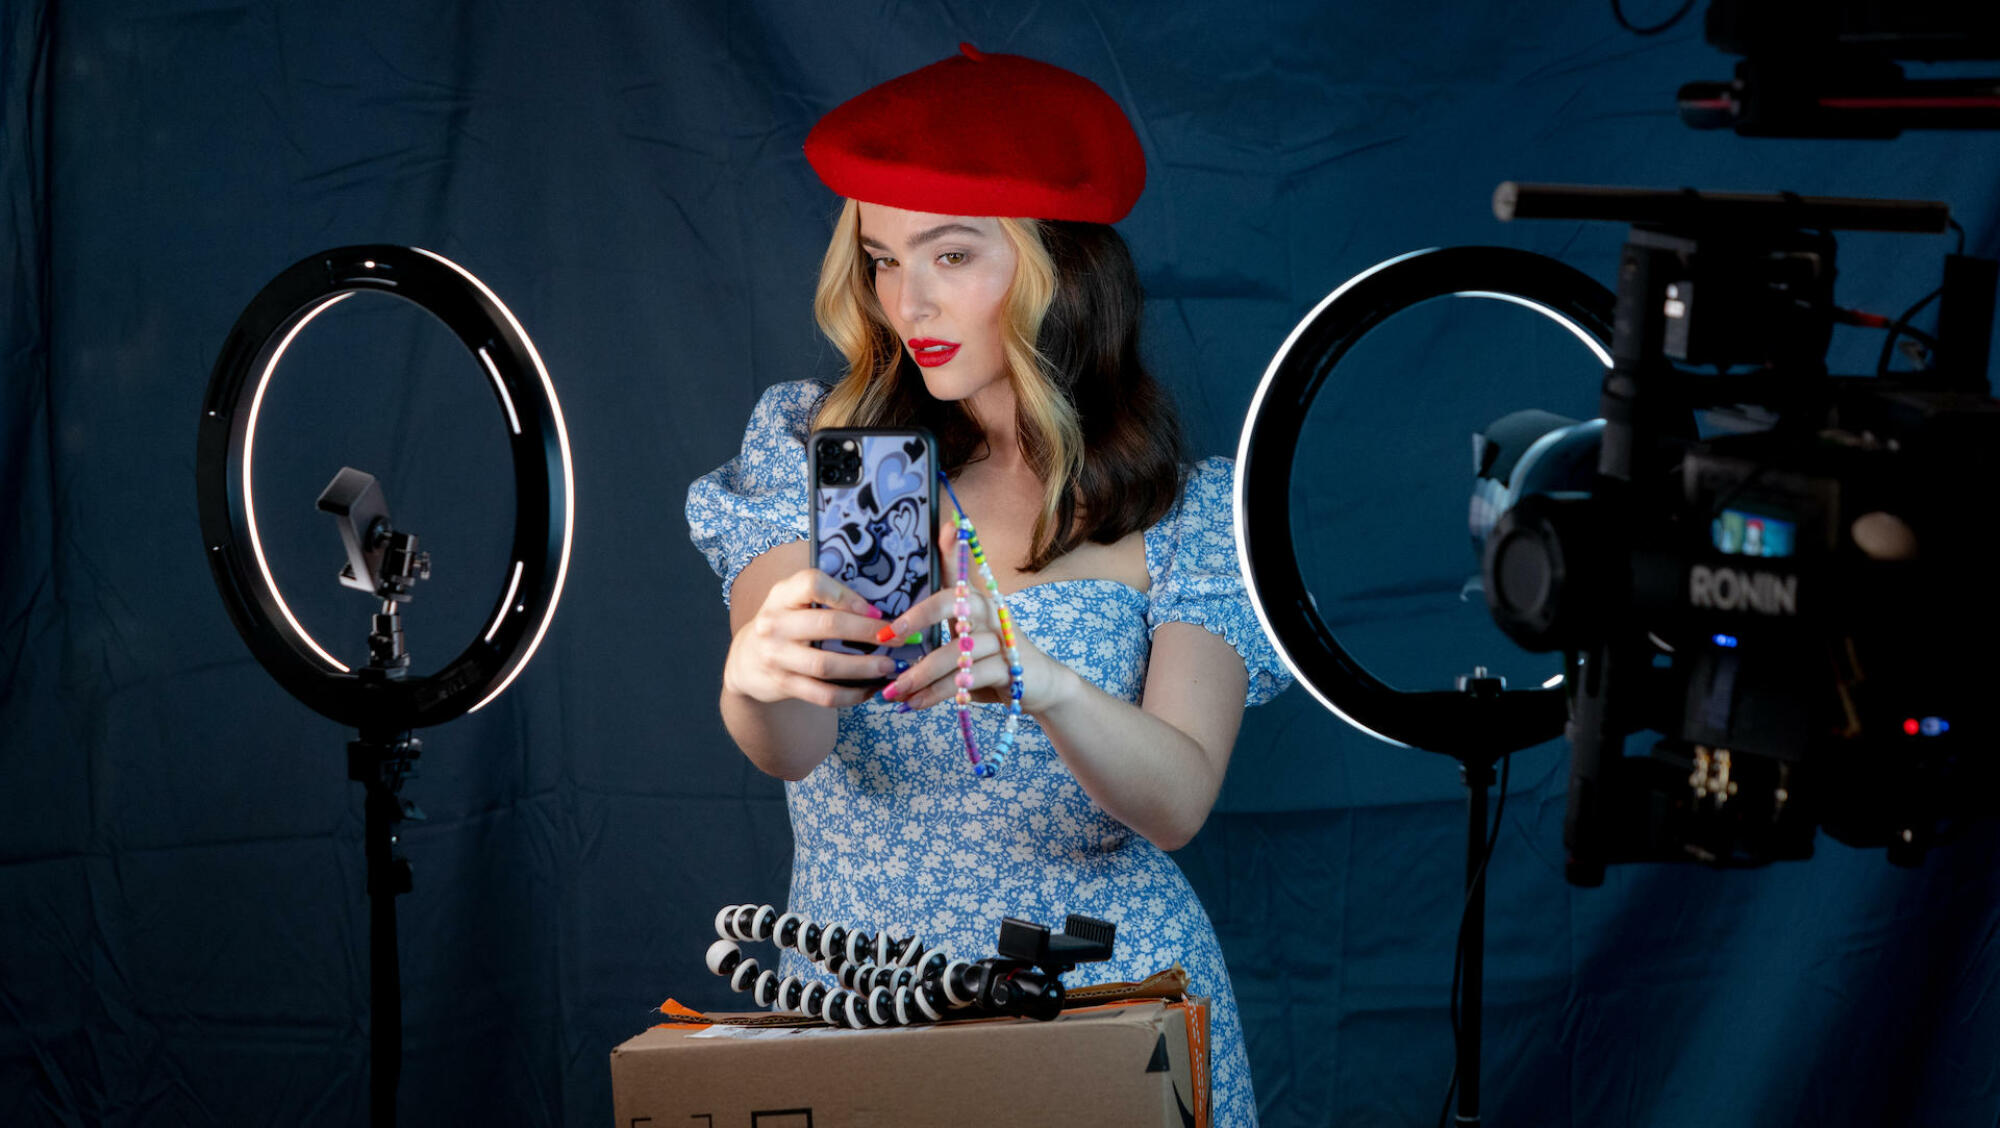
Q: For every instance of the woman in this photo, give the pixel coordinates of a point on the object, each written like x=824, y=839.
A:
x=1015, y=341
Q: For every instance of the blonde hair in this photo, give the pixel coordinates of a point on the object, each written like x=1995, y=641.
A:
x=875, y=390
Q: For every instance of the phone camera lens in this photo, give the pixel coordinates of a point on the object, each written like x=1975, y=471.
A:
x=839, y=461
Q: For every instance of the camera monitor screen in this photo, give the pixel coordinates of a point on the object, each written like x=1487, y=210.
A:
x=1741, y=533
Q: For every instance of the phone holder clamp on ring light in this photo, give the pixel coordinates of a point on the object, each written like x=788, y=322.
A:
x=381, y=704
x=1481, y=722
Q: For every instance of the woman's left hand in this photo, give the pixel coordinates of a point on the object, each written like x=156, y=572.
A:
x=933, y=679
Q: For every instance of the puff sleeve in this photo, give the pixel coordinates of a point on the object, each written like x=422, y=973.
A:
x=756, y=501
x=1191, y=559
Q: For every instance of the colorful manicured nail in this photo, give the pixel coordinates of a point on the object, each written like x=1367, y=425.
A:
x=873, y=611
x=885, y=634
x=891, y=691
x=902, y=706
x=901, y=665
x=915, y=638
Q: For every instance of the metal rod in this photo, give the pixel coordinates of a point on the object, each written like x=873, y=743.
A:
x=1478, y=777
x=385, y=1022
x=1512, y=200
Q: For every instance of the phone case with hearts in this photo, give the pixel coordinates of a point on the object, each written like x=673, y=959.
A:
x=874, y=506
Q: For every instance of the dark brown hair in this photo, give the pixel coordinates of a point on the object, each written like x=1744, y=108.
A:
x=1090, y=343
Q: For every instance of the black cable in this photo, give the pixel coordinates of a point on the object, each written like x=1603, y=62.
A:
x=1921, y=337
x=1465, y=915
x=1450, y=1089
x=1901, y=327
x=1618, y=13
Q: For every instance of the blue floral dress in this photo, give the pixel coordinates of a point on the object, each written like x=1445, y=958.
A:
x=893, y=831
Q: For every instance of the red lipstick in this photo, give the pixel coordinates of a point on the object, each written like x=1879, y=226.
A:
x=931, y=352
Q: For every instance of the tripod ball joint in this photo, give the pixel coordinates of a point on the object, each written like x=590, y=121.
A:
x=765, y=989
x=723, y=956
x=843, y=970
x=881, y=1006
x=960, y=984
x=932, y=965
x=832, y=941
x=746, y=922
x=930, y=1000
x=846, y=1009
x=785, y=934
x=726, y=959
x=812, y=997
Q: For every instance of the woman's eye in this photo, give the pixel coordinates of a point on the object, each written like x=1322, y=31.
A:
x=953, y=258
x=880, y=261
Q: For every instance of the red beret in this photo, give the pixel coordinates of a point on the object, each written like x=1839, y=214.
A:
x=982, y=134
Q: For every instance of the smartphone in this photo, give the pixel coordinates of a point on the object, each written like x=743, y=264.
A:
x=874, y=507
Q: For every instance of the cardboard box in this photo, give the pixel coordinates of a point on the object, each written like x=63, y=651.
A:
x=1140, y=1063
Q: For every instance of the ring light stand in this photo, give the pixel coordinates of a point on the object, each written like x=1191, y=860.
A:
x=1481, y=722
x=380, y=700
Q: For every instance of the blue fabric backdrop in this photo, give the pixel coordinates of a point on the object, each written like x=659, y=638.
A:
x=182, y=927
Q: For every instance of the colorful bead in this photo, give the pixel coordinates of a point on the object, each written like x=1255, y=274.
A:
x=970, y=552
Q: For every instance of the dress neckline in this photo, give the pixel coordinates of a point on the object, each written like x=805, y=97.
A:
x=1120, y=585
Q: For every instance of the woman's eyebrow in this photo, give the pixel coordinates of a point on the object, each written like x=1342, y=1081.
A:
x=927, y=235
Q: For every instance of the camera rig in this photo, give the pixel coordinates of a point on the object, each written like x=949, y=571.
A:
x=1769, y=566
x=1774, y=568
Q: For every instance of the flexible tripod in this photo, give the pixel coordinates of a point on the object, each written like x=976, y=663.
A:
x=898, y=981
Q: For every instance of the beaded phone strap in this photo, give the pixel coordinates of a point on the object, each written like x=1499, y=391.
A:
x=970, y=554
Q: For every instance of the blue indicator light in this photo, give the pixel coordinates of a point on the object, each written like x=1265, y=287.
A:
x=1725, y=640
x=1935, y=726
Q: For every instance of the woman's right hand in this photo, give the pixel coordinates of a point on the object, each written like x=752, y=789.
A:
x=772, y=657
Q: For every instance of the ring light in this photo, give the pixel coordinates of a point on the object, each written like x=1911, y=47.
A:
x=1439, y=721
x=544, y=488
